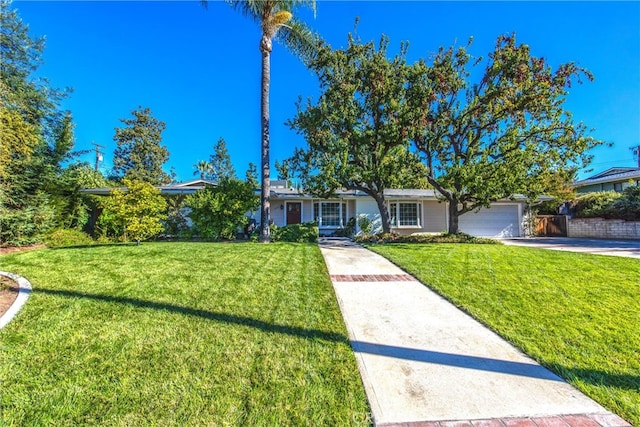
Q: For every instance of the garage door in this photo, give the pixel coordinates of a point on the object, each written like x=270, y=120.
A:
x=498, y=221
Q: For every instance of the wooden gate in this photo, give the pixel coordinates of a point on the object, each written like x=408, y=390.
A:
x=551, y=225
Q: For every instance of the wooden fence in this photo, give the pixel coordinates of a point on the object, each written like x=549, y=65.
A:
x=551, y=225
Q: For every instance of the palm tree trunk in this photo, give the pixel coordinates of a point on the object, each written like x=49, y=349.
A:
x=265, y=202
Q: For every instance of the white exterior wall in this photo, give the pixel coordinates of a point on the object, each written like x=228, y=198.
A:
x=434, y=215
x=307, y=211
x=369, y=208
x=277, y=214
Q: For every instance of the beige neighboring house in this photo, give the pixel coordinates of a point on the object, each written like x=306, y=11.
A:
x=613, y=179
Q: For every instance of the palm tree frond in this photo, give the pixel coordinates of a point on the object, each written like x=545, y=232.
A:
x=300, y=40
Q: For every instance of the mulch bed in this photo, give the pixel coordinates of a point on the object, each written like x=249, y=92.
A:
x=11, y=249
x=8, y=287
x=8, y=293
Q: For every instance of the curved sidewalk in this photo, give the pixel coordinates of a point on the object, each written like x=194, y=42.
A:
x=423, y=362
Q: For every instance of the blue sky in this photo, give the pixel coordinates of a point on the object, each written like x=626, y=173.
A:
x=199, y=70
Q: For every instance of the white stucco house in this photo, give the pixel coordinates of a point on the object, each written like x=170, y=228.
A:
x=412, y=211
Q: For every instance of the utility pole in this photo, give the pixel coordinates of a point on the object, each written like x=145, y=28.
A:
x=98, y=154
x=636, y=153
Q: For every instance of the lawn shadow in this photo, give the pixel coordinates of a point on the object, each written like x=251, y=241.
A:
x=94, y=245
x=205, y=314
x=598, y=378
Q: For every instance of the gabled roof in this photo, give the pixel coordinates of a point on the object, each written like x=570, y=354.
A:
x=178, y=188
x=612, y=171
x=610, y=175
x=185, y=187
x=196, y=183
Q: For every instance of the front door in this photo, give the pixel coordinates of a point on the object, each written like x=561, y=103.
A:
x=294, y=213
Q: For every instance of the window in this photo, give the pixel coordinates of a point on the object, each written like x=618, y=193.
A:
x=405, y=214
x=330, y=214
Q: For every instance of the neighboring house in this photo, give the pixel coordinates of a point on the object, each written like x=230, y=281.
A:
x=613, y=179
x=412, y=211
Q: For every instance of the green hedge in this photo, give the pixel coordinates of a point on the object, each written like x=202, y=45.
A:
x=302, y=233
x=67, y=237
x=423, y=238
x=610, y=205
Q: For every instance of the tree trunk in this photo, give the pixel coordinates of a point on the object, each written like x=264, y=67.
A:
x=453, y=217
x=265, y=202
x=385, y=218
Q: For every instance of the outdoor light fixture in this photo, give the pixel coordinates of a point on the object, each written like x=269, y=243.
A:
x=281, y=207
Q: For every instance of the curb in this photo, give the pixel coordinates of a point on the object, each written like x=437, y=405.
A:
x=24, y=290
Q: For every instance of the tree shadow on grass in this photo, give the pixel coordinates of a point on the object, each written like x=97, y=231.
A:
x=205, y=314
x=598, y=378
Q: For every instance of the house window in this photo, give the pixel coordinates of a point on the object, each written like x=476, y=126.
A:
x=405, y=214
x=617, y=187
x=330, y=214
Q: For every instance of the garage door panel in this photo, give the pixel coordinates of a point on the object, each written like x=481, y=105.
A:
x=497, y=221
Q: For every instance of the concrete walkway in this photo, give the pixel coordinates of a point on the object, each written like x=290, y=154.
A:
x=423, y=362
x=614, y=247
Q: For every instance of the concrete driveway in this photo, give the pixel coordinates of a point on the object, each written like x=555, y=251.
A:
x=625, y=248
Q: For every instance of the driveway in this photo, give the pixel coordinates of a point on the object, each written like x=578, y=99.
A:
x=625, y=248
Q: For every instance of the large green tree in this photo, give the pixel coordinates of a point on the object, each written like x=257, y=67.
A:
x=490, y=133
x=36, y=136
x=220, y=161
x=139, y=154
x=251, y=175
x=276, y=22
x=358, y=131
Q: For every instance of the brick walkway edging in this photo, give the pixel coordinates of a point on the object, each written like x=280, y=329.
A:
x=586, y=420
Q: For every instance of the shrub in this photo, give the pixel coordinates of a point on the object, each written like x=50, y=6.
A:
x=138, y=211
x=364, y=223
x=301, y=233
x=28, y=224
x=348, y=230
x=595, y=205
x=423, y=238
x=627, y=206
x=218, y=212
x=67, y=237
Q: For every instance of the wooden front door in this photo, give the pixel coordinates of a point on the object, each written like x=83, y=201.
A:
x=294, y=213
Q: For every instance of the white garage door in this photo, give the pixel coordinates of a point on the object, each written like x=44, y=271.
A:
x=498, y=221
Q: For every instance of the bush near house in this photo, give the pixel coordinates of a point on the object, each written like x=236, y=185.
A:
x=138, y=212
x=67, y=237
x=301, y=233
x=595, y=205
x=218, y=212
x=628, y=206
x=423, y=238
x=609, y=205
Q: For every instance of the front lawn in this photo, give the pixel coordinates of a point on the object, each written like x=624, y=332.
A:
x=178, y=334
x=577, y=314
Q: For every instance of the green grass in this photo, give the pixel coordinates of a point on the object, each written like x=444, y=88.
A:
x=178, y=334
x=577, y=314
